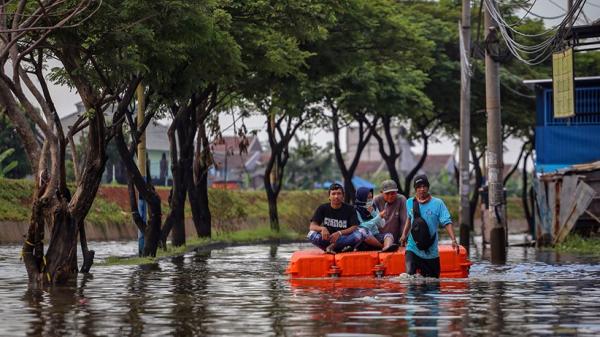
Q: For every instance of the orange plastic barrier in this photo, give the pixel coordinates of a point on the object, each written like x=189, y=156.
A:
x=314, y=263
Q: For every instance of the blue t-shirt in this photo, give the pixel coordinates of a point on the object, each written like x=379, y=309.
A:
x=372, y=225
x=435, y=213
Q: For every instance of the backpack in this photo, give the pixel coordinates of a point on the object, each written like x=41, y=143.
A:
x=420, y=230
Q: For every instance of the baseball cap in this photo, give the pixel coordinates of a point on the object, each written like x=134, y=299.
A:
x=389, y=186
x=421, y=180
x=336, y=186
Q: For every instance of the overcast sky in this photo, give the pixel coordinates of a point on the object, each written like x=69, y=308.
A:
x=65, y=99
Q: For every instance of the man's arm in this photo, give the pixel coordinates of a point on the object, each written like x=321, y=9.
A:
x=446, y=220
x=320, y=229
x=405, y=230
x=336, y=235
x=450, y=231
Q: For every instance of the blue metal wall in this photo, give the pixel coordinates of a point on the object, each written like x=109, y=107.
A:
x=562, y=142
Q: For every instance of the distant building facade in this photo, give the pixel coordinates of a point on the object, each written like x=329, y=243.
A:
x=234, y=168
x=157, y=151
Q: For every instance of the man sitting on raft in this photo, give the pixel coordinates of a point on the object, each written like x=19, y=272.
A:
x=334, y=226
x=371, y=221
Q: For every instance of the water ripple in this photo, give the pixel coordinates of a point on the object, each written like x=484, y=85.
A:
x=242, y=291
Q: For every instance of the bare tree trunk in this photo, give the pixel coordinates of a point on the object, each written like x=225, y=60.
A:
x=478, y=182
x=179, y=166
x=280, y=131
x=392, y=156
x=198, y=189
x=365, y=131
x=516, y=165
x=525, y=197
x=146, y=190
x=409, y=177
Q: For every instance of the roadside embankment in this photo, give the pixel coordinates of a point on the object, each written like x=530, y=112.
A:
x=232, y=211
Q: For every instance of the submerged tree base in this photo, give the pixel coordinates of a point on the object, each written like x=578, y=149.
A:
x=258, y=235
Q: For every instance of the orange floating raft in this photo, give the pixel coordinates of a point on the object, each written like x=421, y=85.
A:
x=313, y=263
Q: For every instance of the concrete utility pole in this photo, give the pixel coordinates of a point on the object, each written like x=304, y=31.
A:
x=494, y=143
x=141, y=152
x=465, y=125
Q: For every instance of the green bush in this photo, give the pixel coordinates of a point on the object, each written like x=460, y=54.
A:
x=15, y=199
x=232, y=210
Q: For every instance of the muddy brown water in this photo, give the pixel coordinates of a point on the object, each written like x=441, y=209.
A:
x=242, y=291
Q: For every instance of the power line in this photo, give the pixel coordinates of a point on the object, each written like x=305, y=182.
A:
x=539, y=52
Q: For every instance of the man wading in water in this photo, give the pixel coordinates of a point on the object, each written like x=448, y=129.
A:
x=334, y=225
x=422, y=249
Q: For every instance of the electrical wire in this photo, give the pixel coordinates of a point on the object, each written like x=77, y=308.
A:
x=539, y=52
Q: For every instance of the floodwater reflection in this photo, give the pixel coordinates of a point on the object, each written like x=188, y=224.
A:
x=243, y=291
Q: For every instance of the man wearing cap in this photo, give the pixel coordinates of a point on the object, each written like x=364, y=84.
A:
x=393, y=207
x=435, y=213
x=334, y=225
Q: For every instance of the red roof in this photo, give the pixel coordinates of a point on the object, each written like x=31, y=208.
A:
x=435, y=163
x=364, y=168
x=231, y=144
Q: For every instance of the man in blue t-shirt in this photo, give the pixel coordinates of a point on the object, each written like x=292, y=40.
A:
x=435, y=213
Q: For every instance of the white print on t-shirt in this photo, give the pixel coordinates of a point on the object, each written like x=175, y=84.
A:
x=335, y=223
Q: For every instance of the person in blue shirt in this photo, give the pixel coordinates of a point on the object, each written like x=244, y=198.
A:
x=435, y=213
x=371, y=221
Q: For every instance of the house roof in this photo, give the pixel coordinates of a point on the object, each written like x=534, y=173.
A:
x=232, y=144
x=365, y=168
x=435, y=163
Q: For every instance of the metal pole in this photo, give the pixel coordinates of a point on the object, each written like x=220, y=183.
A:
x=465, y=125
x=141, y=152
x=494, y=145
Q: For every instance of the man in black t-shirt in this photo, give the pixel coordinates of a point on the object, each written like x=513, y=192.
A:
x=334, y=225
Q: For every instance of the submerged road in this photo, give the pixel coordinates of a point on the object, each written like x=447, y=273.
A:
x=242, y=291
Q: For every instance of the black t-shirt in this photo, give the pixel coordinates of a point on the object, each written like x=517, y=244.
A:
x=335, y=219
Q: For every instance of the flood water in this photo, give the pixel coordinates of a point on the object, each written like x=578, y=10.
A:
x=242, y=291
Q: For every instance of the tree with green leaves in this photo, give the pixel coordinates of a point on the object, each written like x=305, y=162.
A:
x=360, y=68
x=275, y=48
x=121, y=44
x=310, y=164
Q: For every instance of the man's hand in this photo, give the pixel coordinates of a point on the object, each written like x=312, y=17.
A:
x=382, y=214
x=455, y=246
x=402, y=240
x=325, y=233
x=335, y=236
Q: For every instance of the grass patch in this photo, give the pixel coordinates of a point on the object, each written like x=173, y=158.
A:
x=104, y=212
x=126, y=261
x=259, y=234
x=243, y=236
x=514, y=206
x=15, y=199
x=580, y=245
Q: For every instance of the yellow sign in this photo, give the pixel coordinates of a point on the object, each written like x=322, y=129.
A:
x=563, y=85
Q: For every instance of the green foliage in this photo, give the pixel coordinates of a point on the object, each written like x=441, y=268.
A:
x=104, y=212
x=226, y=210
x=15, y=198
x=310, y=164
x=261, y=234
x=18, y=167
x=6, y=168
x=443, y=184
x=580, y=245
x=374, y=60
